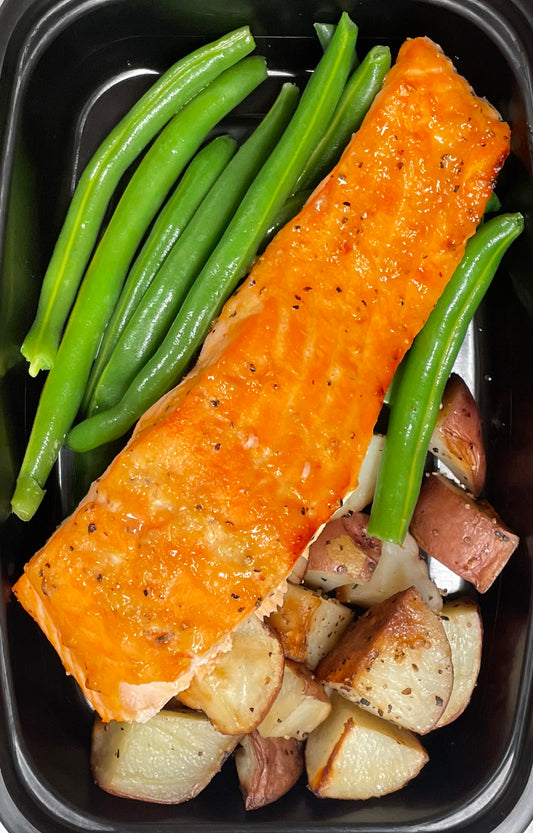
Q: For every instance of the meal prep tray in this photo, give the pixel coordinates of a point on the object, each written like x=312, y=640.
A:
x=69, y=70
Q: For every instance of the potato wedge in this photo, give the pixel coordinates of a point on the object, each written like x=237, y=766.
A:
x=466, y=535
x=398, y=568
x=301, y=705
x=395, y=661
x=167, y=760
x=343, y=553
x=240, y=688
x=356, y=755
x=464, y=628
x=457, y=439
x=267, y=768
x=308, y=624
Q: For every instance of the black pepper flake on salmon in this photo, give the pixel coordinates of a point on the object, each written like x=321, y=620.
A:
x=164, y=638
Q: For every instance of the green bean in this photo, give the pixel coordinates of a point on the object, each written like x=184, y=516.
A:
x=101, y=176
x=427, y=367
x=234, y=254
x=325, y=32
x=151, y=320
x=359, y=93
x=288, y=210
x=200, y=175
x=360, y=90
x=493, y=204
x=63, y=390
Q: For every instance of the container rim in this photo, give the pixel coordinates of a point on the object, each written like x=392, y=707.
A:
x=503, y=22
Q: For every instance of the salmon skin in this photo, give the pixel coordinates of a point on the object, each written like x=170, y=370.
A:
x=197, y=523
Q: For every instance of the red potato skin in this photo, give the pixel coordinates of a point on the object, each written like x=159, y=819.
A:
x=459, y=428
x=357, y=649
x=355, y=527
x=278, y=763
x=465, y=535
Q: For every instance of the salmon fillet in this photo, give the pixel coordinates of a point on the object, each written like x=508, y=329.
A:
x=197, y=523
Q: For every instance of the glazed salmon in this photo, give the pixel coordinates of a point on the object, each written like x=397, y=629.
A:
x=198, y=522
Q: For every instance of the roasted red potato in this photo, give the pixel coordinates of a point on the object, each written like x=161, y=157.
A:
x=465, y=535
x=457, y=438
x=399, y=567
x=395, y=661
x=464, y=628
x=267, y=768
x=308, y=624
x=301, y=705
x=167, y=760
x=343, y=553
x=356, y=755
x=243, y=682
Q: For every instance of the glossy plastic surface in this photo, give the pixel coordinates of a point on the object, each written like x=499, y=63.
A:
x=69, y=70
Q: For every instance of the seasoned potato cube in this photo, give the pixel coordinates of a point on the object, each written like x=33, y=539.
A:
x=343, y=553
x=457, y=438
x=299, y=707
x=267, y=768
x=356, y=755
x=395, y=661
x=168, y=759
x=308, y=624
x=466, y=535
x=399, y=567
x=239, y=689
x=464, y=628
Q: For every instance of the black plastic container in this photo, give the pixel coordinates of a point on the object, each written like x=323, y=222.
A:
x=69, y=70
